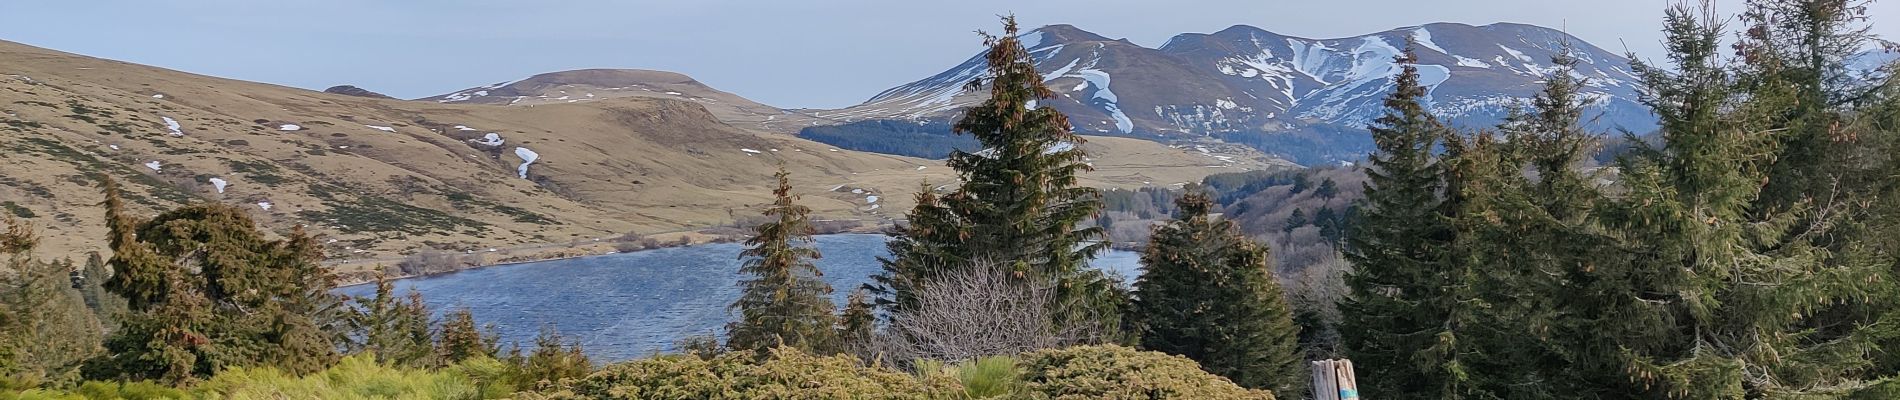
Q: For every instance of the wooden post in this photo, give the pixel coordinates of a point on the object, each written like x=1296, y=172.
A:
x=1334, y=380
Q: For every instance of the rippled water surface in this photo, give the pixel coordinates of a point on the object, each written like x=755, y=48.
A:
x=625, y=306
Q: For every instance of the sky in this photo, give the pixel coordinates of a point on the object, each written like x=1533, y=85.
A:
x=791, y=54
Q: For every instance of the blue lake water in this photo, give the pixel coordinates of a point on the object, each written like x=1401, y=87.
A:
x=625, y=306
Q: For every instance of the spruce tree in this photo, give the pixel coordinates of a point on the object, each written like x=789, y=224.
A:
x=1397, y=305
x=552, y=360
x=46, y=330
x=1729, y=303
x=208, y=291
x=1018, y=202
x=1792, y=69
x=459, y=338
x=857, y=324
x=784, y=302
x=393, y=327
x=1295, y=221
x=1207, y=293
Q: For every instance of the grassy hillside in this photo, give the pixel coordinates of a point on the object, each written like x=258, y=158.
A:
x=378, y=178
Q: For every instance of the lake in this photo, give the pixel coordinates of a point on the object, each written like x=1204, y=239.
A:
x=625, y=306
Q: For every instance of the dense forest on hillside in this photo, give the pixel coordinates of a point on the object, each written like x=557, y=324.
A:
x=930, y=139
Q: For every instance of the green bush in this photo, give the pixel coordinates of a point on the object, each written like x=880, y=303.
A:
x=96, y=390
x=991, y=378
x=1115, y=372
x=361, y=377
x=787, y=374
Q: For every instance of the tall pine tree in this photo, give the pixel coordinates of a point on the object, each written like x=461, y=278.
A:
x=1398, y=248
x=1018, y=204
x=784, y=302
x=1207, y=293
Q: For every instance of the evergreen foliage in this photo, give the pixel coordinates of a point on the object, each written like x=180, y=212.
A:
x=1396, y=315
x=784, y=303
x=1207, y=293
x=1018, y=201
x=459, y=339
x=926, y=139
x=552, y=361
x=395, y=328
x=208, y=291
x=46, y=330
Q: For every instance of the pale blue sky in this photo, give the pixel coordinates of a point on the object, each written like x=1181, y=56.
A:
x=818, y=54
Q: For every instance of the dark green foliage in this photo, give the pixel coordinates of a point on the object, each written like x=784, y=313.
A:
x=46, y=331
x=857, y=325
x=105, y=305
x=352, y=213
x=1398, y=306
x=1327, y=189
x=17, y=210
x=207, y=291
x=395, y=328
x=460, y=339
x=926, y=139
x=1297, y=220
x=1018, y=203
x=1208, y=293
x=784, y=302
x=550, y=363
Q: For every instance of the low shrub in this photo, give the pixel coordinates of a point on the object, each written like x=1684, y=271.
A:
x=1115, y=372
x=787, y=374
x=361, y=377
x=96, y=390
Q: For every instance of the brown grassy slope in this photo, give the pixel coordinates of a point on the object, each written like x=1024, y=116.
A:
x=589, y=85
x=607, y=167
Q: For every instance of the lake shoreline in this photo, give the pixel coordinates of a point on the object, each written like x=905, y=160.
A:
x=364, y=272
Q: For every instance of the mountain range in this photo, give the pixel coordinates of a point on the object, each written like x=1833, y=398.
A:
x=1246, y=84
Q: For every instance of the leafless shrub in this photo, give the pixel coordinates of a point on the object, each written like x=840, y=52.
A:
x=830, y=226
x=436, y=261
x=982, y=310
x=626, y=247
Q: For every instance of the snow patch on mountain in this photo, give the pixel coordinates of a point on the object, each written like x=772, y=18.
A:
x=527, y=157
x=1424, y=38
x=172, y=125
x=1471, y=62
x=491, y=140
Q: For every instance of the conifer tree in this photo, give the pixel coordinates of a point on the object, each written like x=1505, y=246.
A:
x=459, y=338
x=107, y=307
x=208, y=291
x=46, y=331
x=1296, y=220
x=1207, y=293
x=393, y=327
x=552, y=360
x=857, y=324
x=1018, y=203
x=1792, y=69
x=1729, y=304
x=1398, y=301
x=784, y=302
